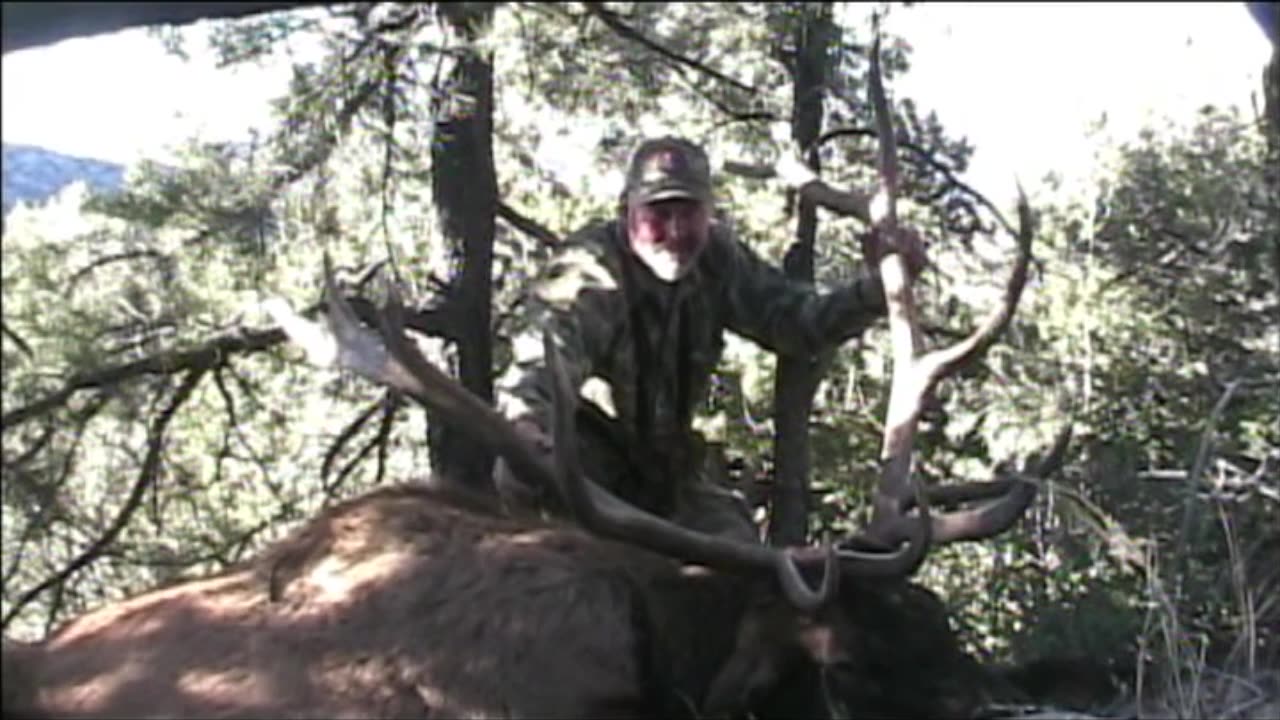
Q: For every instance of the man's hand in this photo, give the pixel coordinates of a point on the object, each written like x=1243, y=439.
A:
x=531, y=432
x=906, y=241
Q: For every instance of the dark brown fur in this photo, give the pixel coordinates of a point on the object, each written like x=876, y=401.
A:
x=1079, y=683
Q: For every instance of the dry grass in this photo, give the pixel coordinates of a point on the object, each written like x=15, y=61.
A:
x=1180, y=681
x=1185, y=684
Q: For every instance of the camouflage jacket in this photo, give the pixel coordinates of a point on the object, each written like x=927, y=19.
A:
x=656, y=344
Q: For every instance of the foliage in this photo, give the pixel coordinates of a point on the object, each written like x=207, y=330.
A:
x=1154, y=311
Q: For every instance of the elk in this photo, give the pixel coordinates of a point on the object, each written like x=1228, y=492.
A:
x=423, y=600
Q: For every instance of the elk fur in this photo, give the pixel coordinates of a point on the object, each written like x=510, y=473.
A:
x=410, y=601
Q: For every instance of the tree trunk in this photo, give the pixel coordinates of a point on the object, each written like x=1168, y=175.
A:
x=464, y=187
x=798, y=375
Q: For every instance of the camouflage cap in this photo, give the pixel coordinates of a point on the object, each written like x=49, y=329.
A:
x=667, y=168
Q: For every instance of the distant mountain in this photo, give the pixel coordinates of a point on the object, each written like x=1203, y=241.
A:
x=33, y=174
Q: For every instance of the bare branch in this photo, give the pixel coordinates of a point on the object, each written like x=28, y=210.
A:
x=228, y=401
x=162, y=364
x=527, y=225
x=933, y=162
x=390, y=408
x=340, y=442
x=79, y=275
x=146, y=478
x=17, y=339
x=432, y=322
x=615, y=23
x=350, y=466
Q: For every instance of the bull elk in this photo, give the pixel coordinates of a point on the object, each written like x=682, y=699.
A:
x=422, y=600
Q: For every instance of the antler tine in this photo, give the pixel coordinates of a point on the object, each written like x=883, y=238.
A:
x=797, y=591
x=391, y=359
x=946, y=362
x=906, y=393
x=995, y=517
x=1010, y=498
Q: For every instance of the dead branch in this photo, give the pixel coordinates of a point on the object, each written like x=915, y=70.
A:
x=527, y=225
x=17, y=339
x=851, y=202
x=344, y=436
x=166, y=363
x=389, y=404
x=434, y=322
x=147, y=477
x=615, y=23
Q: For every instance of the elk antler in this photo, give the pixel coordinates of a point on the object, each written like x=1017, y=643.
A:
x=916, y=375
x=389, y=358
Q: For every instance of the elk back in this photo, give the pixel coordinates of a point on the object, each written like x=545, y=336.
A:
x=406, y=602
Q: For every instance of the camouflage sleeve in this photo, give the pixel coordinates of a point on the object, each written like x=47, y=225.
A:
x=574, y=298
x=788, y=316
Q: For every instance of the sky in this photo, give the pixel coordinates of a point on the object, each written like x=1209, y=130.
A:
x=1024, y=81
x=119, y=96
x=1021, y=81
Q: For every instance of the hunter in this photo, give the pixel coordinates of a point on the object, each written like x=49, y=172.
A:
x=641, y=302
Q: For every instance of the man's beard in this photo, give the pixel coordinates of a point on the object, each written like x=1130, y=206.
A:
x=667, y=265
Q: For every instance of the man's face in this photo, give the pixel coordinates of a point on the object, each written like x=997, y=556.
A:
x=668, y=235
